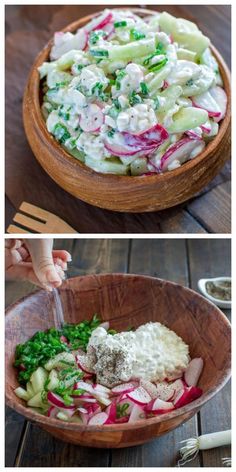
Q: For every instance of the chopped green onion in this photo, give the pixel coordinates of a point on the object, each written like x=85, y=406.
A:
x=156, y=103
x=98, y=53
x=97, y=89
x=61, y=133
x=159, y=50
x=156, y=67
x=189, y=83
x=121, y=74
x=111, y=133
x=134, y=98
x=116, y=103
x=144, y=88
x=96, y=35
x=121, y=410
x=136, y=35
x=120, y=24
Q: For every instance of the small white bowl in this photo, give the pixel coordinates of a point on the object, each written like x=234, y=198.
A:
x=217, y=301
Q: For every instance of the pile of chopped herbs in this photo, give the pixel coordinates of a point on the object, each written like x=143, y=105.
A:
x=45, y=345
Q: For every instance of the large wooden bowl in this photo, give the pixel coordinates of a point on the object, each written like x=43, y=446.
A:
x=121, y=193
x=125, y=300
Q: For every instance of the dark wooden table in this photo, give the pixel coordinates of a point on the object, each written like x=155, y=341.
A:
x=28, y=28
x=177, y=260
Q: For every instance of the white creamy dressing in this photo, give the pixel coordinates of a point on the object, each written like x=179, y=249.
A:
x=152, y=352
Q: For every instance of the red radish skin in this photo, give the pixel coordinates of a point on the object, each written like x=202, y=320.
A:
x=111, y=412
x=187, y=395
x=193, y=371
x=220, y=97
x=100, y=22
x=57, y=401
x=99, y=419
x=205, y=129
x=180, y=150
x=193, y=135
x=211, y=114
x=52, y=412
x=123, y=419
x=139, y=396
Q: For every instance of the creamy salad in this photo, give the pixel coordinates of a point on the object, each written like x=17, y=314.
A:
x=133, y=96
x=92, y=375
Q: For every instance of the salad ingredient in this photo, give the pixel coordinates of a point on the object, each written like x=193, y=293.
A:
x=120, y=90
x=193, y=371
x=62, y=388
x=178, y=152
x=118, y=358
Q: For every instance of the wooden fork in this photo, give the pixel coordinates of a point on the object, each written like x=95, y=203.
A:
x=38, y=220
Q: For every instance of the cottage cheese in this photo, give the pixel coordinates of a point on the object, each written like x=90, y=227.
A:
x=152, y=352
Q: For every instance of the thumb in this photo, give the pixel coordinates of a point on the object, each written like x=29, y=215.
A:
x=42, y=260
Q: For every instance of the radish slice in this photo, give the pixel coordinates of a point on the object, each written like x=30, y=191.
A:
x=84, y=386
x=104, y=400
x=139, y=396
x=124, y=388
x=123, y=419
x=149, y=387
x=91, y=118
x=159, y=406
x=165, y=390
x=100, y=389
x=105, y=325
x=82, y=38
x=82, y=410
x=137, y=414
x=220, y=97
x=180, y=151
x=83, y=364
x=193, y=371
x=99, y=22
x=111, y=412
x=178, y=385
x=143, y=143
x=187, y=395
x=52, y=412
x=194, y=134
x=208, y=103
x=205, y=129
x=57, y=401
x=99, y=419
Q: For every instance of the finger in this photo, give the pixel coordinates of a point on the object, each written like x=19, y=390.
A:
x=60, y=263
x=42, y=260
x=13, y=243
x=25, y=271
x=64, y=255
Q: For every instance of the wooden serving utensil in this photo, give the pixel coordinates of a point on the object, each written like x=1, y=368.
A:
x=34, y=219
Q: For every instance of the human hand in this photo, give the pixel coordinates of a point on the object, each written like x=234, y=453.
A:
x=36, y=261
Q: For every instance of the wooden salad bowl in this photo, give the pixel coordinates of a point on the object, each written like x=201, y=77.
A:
x=113, y=192
x=124, y=300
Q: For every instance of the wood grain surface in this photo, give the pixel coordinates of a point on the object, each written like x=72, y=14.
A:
x=24, y=27
x=177, y=260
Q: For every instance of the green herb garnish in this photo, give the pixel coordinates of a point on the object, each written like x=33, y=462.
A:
x=61, y=133
x=96, y=35
x=158, y=66
x=158, y=51
x=120, y=75
x=136, y=35
x=97, y=89
x=120, y=24
x=134, y=98
x=98, y=53
x=121, y=410
x=189, y=83
x=111, y=133
x=144, y=88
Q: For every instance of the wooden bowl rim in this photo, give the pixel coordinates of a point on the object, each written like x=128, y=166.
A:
x=193, y=406
x=64, y=155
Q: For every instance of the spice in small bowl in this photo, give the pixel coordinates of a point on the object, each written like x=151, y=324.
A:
x=218, y=290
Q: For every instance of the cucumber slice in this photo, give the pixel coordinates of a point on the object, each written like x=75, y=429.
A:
x=77, y=154
x=107, y=166
x=187, y=118
x=143, y=47
x=53, y=380
x=22, y=393
x=184, y=32
x=55, y=77
x=186, y=54
x=30, y=390
x=171, y=94
x=67, y=60
x=201, y=84
x=36, y=401
x=38, y=379
x=60, y=361
x=139, y=166
x=156, y=83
